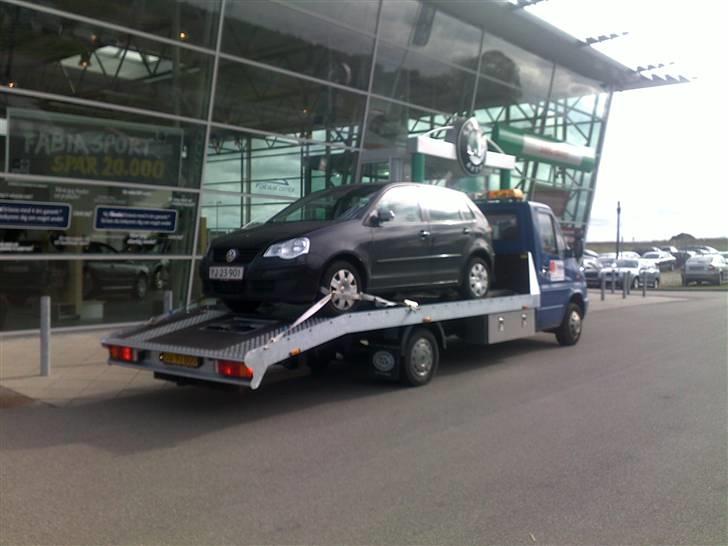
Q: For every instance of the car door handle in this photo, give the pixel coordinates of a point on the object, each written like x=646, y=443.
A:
x=424, y=234
x=466, y=230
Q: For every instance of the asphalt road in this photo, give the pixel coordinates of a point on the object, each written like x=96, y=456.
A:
x=619, y=440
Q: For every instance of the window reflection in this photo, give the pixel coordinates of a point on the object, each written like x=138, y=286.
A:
x=274, y=34
x=252, y=97
x=63, y=56
x=103, y=290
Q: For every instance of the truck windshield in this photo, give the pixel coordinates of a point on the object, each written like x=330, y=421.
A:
x=327, y=205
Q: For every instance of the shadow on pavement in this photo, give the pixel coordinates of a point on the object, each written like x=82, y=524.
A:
x=166, y=417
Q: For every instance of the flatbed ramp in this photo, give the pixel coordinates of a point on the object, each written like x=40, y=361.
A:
x=211, y=335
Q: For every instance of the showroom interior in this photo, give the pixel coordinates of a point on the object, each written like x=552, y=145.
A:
x=132, y=136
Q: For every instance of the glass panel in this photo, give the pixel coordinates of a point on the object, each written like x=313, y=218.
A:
x=354, y=13
x=274, y=34
x=53, y=138
x=546, y=230
x=59, y=55
x=424, y=28
x=389, y=124
x=411, y=77
x=85, y=292
x=403, y=202
x=53, y=218
x=266, y=174
x=264, y=100
x=193, y=21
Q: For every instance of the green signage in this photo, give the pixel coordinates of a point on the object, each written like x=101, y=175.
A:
x=539, y=148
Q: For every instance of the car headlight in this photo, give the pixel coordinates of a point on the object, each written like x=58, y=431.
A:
x=288, y=250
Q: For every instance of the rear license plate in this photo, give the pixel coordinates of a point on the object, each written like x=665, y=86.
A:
x=226, y=273
x=185, y=361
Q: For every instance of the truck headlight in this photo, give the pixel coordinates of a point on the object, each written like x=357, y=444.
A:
x=288, y=250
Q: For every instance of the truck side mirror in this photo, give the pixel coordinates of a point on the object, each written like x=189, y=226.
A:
x=578, y=249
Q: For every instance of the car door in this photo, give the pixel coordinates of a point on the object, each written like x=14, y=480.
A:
x=553, y=274
x=400, y=241
x=451, y=225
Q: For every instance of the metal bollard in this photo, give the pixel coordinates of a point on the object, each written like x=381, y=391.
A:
x=614, y=281
x=168, y=302
x=45, y=336
x=644, y=285
x=628, y=279
x=604, y=285
x=624, y=285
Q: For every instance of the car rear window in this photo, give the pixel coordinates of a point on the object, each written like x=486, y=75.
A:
x=505, y=226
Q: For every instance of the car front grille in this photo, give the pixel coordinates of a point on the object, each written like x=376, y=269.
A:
x=245, y=255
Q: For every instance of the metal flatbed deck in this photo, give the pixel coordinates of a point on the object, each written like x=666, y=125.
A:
x=215, y=334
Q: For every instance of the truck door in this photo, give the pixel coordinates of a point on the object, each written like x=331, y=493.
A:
x=555, y=284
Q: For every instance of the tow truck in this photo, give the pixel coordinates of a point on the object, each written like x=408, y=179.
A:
x=538, y=286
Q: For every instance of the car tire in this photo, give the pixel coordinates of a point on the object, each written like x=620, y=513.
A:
x=141, y=287
x=344, y=277
x=420, y=359
x=242, y=306
x=476, y=279
x=569, y=332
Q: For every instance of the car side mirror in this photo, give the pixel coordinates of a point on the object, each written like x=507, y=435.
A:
x=385, y=215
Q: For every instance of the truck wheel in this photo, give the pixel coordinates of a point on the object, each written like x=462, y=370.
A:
x=570, y=330
x=242, y=306
x=421, y=358
x=343, y=278
x=476, y=279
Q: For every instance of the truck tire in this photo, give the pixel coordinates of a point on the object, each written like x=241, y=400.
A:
x=569, y=332
x=476, y=279
x=420, y=359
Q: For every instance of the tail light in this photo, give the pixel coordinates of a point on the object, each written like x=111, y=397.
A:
x=124, y=354
x=238, y=370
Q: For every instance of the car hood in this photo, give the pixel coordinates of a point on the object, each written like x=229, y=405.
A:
x=266, y=234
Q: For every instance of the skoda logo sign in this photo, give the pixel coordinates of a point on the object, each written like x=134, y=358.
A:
x=470, y=145
x=231, y=255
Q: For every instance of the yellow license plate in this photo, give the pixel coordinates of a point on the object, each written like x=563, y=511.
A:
x=186, y=361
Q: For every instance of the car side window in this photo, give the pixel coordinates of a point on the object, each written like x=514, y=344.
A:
x=403, y=201
x=444, y=206
x=546, y=231
x=560, y=242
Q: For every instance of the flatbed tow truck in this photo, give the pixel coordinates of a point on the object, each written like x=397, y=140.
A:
x=538, y=287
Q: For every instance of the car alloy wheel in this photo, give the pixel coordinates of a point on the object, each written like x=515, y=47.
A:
x=476, y=279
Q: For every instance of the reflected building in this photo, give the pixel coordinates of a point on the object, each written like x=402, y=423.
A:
x=133, y=133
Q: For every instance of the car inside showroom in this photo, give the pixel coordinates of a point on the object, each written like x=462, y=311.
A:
x=131, y=138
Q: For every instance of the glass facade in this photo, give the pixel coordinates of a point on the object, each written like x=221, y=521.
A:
x=131, y=137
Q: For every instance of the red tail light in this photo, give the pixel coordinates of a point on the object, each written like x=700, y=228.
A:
x=125, y=354
x=228, y=368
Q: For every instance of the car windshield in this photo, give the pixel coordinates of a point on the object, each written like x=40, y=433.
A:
x=651, y=255
x=328, y=205
x=627, y=263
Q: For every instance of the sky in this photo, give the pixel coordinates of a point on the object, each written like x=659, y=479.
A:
x=665, y=152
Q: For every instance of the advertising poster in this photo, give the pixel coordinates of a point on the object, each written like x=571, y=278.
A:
x=48, y=143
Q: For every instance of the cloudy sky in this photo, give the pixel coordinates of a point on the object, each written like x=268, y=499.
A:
x=666, y=148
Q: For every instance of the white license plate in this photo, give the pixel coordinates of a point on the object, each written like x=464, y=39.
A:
x=226, y=273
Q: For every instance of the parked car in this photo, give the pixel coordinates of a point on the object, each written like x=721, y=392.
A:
x=639, y=270
x=376, y=238
x=663, y=260
x=701, y=249
x=623, y=254
x=592, y=268
x=103, y=277
x=671, y=249
x=682, y=256
x=710, y=268
x=645, y=249
x=590, y=253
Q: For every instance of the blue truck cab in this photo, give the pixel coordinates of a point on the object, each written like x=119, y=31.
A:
x=522, y=226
